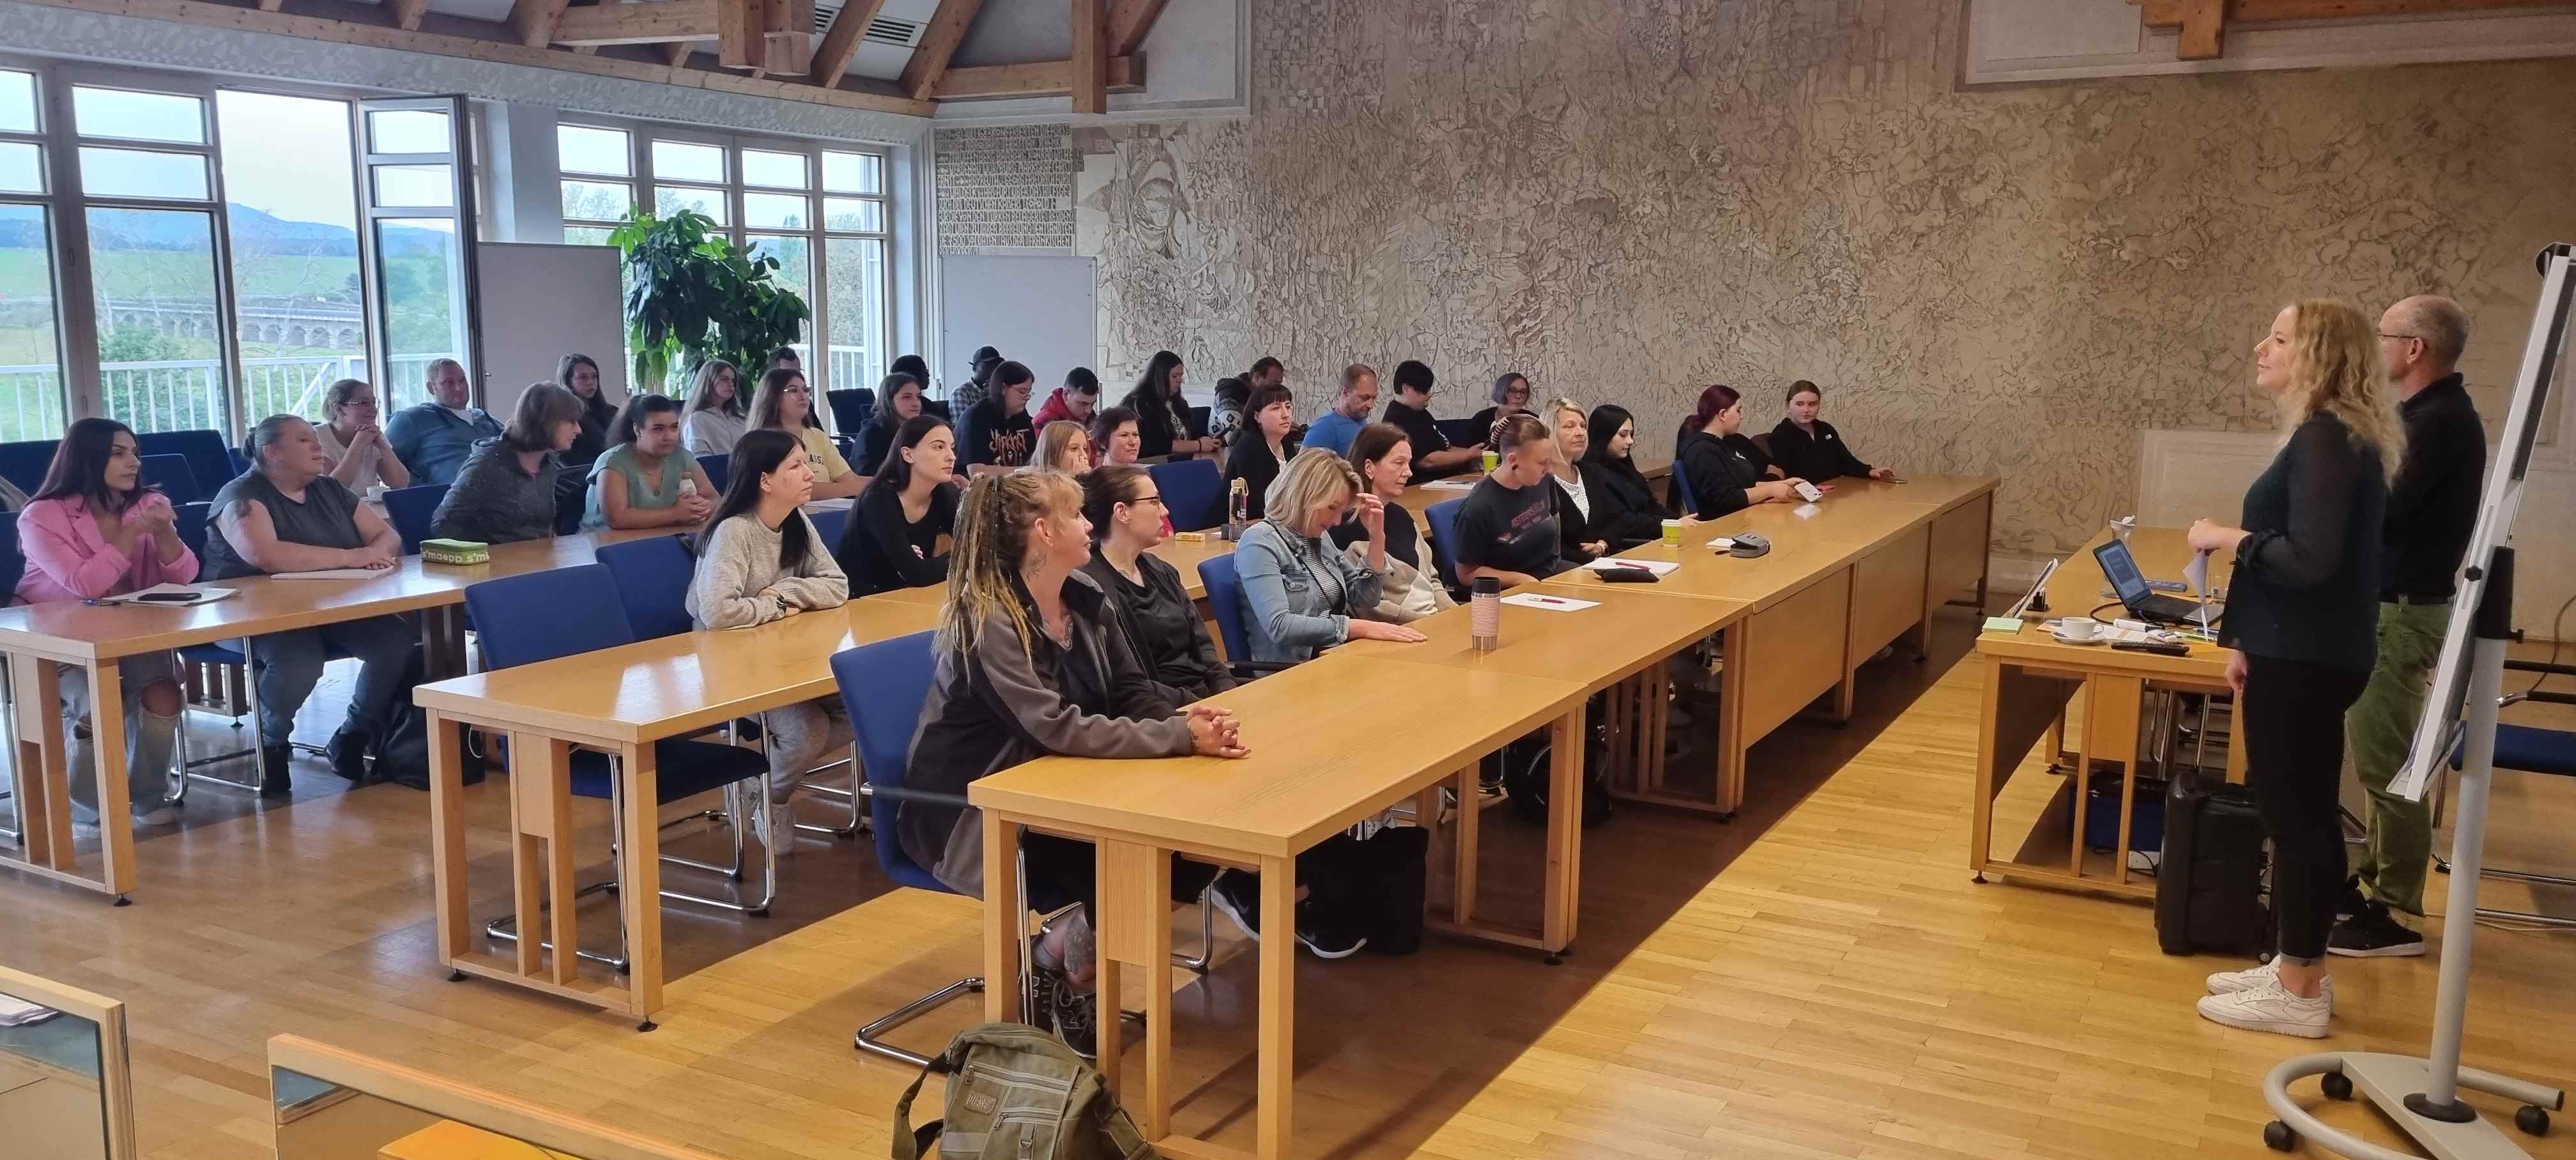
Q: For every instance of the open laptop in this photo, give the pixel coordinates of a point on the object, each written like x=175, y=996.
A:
x=2121, y=569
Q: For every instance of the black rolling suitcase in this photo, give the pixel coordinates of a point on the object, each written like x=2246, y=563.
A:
x=2209, y=888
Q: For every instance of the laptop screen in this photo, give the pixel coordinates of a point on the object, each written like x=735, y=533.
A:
x=2122, y=571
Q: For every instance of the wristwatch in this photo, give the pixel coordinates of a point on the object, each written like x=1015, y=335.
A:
x=778, y=601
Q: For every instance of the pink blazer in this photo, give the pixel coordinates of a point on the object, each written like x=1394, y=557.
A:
x=68, y=560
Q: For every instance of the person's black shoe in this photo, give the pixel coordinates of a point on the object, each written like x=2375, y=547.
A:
x=2352, y=901
x=1077, y=1016
x=1326, y=940
x=1237, y=896
x=2373, y=934
x=348, y=754
x=274, y=780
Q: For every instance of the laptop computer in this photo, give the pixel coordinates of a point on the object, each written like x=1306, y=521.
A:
x=2121, y=569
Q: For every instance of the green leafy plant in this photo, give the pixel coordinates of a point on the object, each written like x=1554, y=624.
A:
x=691, y=296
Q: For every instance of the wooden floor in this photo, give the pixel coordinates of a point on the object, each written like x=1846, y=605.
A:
x=1819, y=979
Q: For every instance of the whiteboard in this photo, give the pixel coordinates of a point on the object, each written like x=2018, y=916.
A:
x=538, y=303
x=1038, y=310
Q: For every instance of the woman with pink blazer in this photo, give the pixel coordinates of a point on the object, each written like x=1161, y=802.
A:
x=93, y=530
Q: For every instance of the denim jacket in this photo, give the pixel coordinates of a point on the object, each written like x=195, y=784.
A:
x=1285, y=615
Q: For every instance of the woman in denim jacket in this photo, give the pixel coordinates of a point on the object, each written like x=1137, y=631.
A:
x=1298, y=591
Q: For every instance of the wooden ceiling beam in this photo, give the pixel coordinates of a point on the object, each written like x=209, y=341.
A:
x=2254, y=10
x=1088, y=69
x=534, y=21
x=1043, y=79
x=502, y=48
x=597, y=24
x=407, y=13
x=841, y=43
x=938, y=45
x=1129, y=21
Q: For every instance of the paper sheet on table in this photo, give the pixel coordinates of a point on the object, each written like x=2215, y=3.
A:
x=1658, y=567
x=1550, y=603
x=334, y=574
x=202, y=595
x=1451, y=485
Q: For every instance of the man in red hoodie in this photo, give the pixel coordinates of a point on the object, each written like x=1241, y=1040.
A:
x=1074, y=401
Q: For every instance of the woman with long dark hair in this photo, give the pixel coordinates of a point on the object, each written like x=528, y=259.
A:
x=644, y=481
x=95, y=529
x=1724, y=468
x=579, y=373
x=1031, y=664
x=899, y=532
x=2302, y=618
x=506, y=490
x=719, y=410
x=759, y=560
x=898, y=403
x=786, y=404
x=1162, y=414
x=1624, y=506
x=360, y=458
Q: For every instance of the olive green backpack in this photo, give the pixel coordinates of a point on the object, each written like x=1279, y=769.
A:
x=1015, y=1093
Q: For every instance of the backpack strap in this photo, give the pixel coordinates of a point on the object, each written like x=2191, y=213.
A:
x=908, y=1143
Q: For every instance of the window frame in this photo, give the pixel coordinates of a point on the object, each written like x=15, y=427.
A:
x=735, y=191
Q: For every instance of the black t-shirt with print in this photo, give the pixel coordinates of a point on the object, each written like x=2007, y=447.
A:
x=1510, y=529
x=994, y=439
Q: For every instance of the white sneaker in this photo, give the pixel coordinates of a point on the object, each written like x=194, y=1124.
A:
x=2271, y=1009
x=2267, y=975
x=782, y=825
x=162, y=816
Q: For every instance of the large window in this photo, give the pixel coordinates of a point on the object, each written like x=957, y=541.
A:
x=179, y=254
x=820, y=211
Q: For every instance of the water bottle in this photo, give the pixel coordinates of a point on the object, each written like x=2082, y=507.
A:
x=1238, y=509
x=1485, y=614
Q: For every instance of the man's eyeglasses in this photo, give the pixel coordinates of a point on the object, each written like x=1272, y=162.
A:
x=2404, y=337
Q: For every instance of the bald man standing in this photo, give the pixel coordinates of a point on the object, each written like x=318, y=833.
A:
x=2430, y=509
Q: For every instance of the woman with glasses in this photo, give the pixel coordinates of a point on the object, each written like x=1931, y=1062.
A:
x=1153, y=608
x=354, y=445
x=1511, y=396
x=786, y=404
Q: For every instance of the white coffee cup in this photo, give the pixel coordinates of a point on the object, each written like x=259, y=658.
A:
x=2078, y=627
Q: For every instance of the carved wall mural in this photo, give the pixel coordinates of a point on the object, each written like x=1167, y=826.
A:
x=1629, y=199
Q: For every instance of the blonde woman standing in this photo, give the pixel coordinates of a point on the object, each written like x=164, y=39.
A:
x=2303, y=608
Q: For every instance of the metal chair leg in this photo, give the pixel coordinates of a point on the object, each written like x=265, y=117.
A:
x=870, y=1038
x=857, y=823
x=1207, y=937
x=506, y=928
x=9, y=728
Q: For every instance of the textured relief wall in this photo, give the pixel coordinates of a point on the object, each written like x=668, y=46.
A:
x=1628, y=199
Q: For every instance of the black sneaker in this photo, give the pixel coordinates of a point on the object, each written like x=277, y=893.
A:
x=1325, y=940
x=1237, y=896
x=1076, y=1015
x=2352, y=901
x=348, y=754
x=2373, y=934
x=276, y=780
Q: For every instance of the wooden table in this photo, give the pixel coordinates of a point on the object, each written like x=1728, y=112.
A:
x=2030, y=680
x=1182, y=555
x=97, y=637
x=617, y=701
x=1855, y=572
x=1301, y=784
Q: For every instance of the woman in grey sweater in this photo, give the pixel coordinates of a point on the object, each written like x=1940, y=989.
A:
x=761, y=560
x=1298, y=590
x=506, y=490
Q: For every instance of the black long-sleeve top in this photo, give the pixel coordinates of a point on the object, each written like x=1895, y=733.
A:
x=1817, y=458
x=881, y=551
x=2435, y=499
x=1719, y=471
x=1611, y=520
x=1624, y=507
x=1163, y=628
x=2306, y=586
x=1160, y=420
x=1253, y=463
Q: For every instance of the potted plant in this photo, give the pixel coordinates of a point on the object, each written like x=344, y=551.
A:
x=691, y=295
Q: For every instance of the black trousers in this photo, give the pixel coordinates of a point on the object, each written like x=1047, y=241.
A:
x=1063, y=871
x=2294, y=758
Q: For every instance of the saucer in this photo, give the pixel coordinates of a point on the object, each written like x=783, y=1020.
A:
x=2062, y=638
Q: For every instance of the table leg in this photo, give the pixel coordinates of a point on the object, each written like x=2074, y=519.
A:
x=1133, y=918
x=1981, y=810
x=1731, y=743
x=447, y=838
x=2236, y=741
x=1277, y=1067
x=552, y=761
x=1005, y=918
x=1564, y=832
x=640, y=866
x=1462, y=883
x=530, y=823
x=107, y=746
x=45, y=817
x=2110, y=734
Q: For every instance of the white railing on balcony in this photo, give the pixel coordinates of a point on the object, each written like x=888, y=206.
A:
x=184, y=395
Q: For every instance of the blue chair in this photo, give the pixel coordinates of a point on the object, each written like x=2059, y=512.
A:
x=1198, y=419
x=830, y=522
x=850, y=407
x=13, y=560
x=715, y=466
x=409, y=510
x=209, y=456
x=24, y=463
x=1457, y=433
x=172, y=475
x=1688, y=506
x=937, y=407
x=192, y=526
x=540, y=616
x=1193, y=493
x=1225, y=601
x=240, y=462
x=652, y=583
x=2532, y=750
x=1443, y=517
